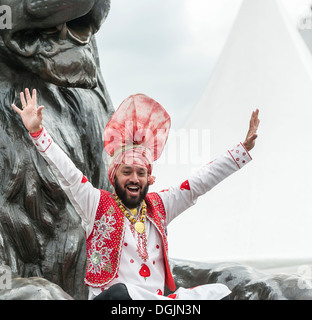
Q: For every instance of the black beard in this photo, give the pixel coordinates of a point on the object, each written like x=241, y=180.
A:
x=132, y=203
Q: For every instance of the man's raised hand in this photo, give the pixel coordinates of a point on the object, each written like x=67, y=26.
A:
x=252, y=132
x=30, y=114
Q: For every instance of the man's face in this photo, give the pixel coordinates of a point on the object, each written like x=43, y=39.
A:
x=131, y=184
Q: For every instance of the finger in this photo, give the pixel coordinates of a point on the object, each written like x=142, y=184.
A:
x=257, y=117
x=18, y=110
x=252, y=119
x=34, y=97
x=39, y=111
x=28, y=97
x=23, y=101
x=256, y=122
x=254, y=137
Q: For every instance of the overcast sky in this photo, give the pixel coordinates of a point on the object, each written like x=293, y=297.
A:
x=167, y=48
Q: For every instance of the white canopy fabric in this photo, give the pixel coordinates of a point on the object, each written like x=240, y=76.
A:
x=264, y=211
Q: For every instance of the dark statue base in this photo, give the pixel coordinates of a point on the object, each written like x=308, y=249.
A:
x=245, y=283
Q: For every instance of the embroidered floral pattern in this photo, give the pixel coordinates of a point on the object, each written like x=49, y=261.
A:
x=101, y=244
x=99, y=255
x=99, y=260
x=105, y=226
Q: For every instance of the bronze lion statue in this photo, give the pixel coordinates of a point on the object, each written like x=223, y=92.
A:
x=51, y=47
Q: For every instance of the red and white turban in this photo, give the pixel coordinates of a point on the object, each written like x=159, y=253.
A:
x=136, y=134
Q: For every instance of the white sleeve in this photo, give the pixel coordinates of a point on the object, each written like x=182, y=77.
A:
x=178, y=199
x=81, y=193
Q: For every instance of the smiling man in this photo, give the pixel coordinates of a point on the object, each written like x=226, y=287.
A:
x=126, y=231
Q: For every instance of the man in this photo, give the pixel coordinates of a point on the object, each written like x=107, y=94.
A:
x=126, y=232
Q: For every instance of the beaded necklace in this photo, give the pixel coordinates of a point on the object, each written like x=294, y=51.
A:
x=138, y=224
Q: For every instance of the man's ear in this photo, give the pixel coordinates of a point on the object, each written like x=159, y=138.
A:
x=150, y=179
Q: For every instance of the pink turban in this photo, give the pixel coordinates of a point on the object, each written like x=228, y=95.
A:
x=136, y=134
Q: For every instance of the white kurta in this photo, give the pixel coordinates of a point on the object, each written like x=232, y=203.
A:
x=143, y=275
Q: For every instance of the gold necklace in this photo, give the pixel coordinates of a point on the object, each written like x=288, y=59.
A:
x=138, y=224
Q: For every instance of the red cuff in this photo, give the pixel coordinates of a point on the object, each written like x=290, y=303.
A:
x=36, y=134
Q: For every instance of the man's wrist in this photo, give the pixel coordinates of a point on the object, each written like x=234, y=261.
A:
x=35, y=130
x=36, y=133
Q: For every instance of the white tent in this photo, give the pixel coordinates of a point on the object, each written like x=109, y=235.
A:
x=263, y=212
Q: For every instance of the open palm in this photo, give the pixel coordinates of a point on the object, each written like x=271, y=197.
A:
x=30, y=114
x=252, y=132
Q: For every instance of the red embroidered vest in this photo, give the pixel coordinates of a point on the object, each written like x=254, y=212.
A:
x=106, y=239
